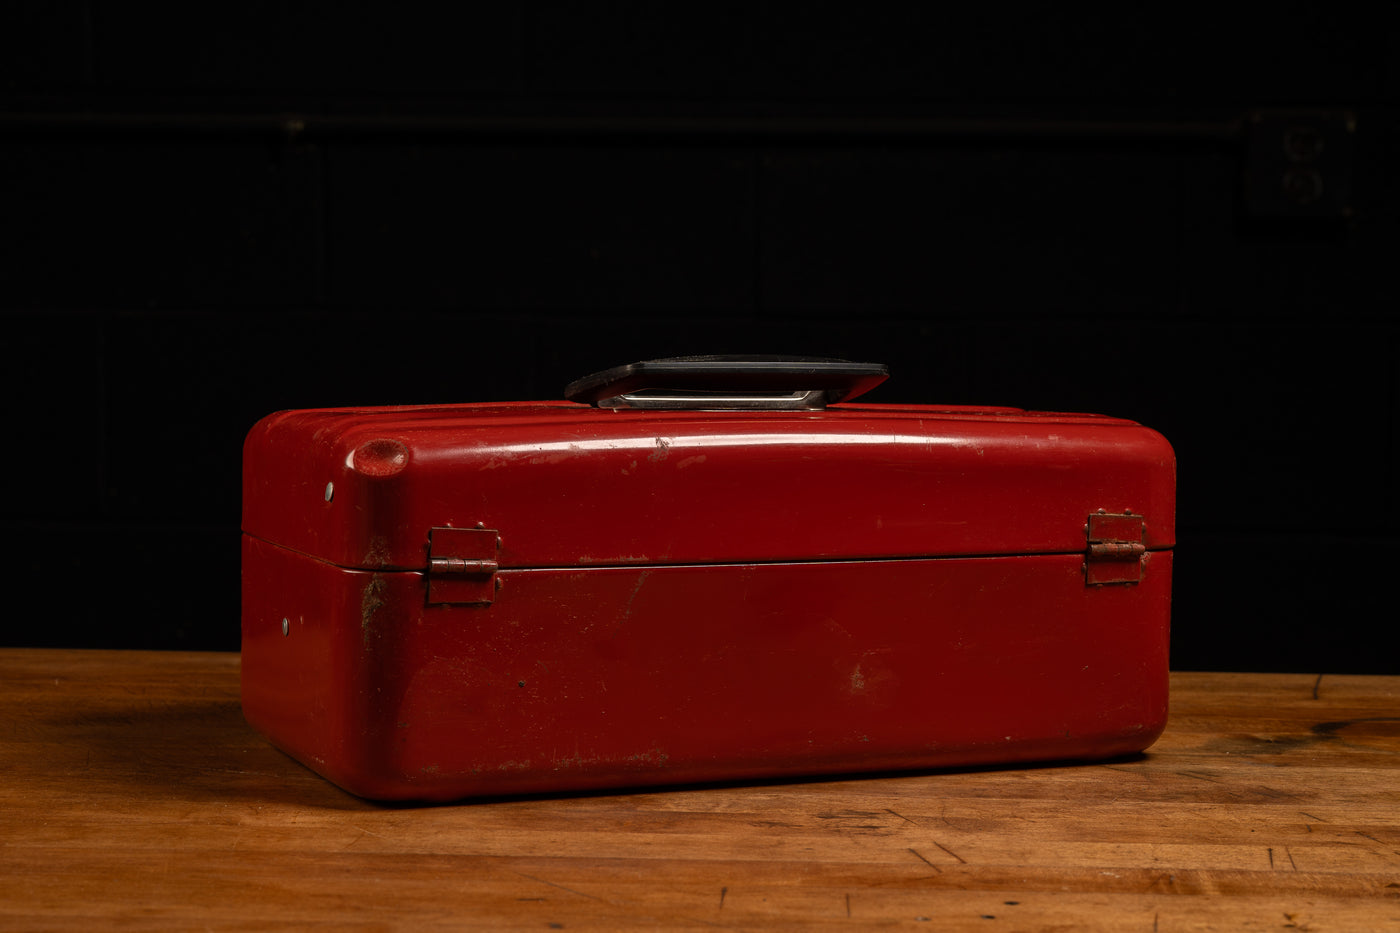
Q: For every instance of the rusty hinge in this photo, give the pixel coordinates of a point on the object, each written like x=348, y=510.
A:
x=462, y=565
x=1115, y=548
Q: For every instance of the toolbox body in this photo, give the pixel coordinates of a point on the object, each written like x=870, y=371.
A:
x=482, y=599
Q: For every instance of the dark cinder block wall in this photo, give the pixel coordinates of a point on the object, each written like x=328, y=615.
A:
x=214, y=211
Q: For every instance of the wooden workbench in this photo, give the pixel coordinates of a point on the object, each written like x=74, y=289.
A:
x=134, y=796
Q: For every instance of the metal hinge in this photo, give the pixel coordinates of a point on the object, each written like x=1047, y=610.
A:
x=1115, y=548
x=462, y=565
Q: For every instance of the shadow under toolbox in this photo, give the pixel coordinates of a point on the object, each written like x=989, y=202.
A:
x=695, y=573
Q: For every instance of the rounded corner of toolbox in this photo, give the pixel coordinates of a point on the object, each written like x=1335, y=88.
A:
x=256, y=437
x=1156, y=444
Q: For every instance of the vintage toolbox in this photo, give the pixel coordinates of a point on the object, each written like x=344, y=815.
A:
x=700, y=570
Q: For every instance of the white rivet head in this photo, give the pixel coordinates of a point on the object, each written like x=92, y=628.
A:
x=330, y=491
x=286, y=627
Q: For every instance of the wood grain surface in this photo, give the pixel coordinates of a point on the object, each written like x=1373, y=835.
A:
x=134, y=796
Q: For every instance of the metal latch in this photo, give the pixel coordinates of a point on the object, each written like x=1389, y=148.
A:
x=1115, y=548
x=462, y=565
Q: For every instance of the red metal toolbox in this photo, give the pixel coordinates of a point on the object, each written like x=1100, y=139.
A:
x=683, y=581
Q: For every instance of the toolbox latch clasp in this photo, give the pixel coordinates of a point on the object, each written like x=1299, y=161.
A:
x=462, y=565
x=1116, y=548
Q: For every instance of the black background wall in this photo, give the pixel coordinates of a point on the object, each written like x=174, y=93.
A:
x=218, y=210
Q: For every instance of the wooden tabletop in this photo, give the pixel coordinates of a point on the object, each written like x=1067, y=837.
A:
x=133, y=795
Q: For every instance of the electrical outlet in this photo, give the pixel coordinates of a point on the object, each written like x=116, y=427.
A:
x=1299, y=163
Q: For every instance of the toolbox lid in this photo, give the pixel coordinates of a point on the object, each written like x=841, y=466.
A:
x=569, y=485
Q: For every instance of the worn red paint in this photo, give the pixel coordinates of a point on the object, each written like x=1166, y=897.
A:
x=863, y=588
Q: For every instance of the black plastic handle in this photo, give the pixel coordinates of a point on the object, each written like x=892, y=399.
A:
x=728, y=383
